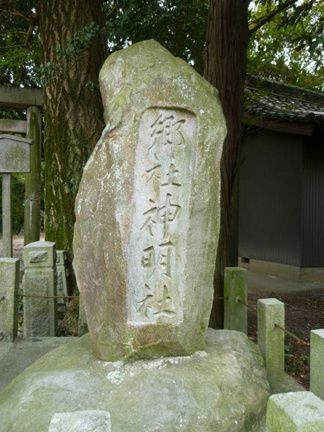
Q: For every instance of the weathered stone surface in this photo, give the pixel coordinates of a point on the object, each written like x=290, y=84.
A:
x=14, y=154
x=9, y=283
x=147, y=211
x=221, y=389
x=81, y=421
x=235, y=293
x=16, y=357
x=40, y=318
x=40, y=254
x=271, y=339
x=295, y=412
x=316, y=363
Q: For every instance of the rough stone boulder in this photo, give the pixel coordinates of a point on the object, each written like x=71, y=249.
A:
x=147, y=211
x=222, y=388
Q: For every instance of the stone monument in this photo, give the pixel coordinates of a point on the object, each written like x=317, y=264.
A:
x=147, y=211
x=147, y=220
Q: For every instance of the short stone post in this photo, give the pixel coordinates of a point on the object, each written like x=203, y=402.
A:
x=39, y=282
x=235, y=293
x=317, y=363
x=295, y=412
x=9, y=277
x=271, y=339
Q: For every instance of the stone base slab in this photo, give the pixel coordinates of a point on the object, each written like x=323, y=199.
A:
x=222, y=388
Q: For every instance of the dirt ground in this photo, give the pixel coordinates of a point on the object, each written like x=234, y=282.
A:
x=304, y=311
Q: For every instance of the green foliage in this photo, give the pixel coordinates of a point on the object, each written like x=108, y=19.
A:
x=19, y=43
x=178, y=25
x=289, y=48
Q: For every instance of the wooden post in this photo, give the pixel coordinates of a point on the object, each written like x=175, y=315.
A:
x=6, y=216
x=32, y=184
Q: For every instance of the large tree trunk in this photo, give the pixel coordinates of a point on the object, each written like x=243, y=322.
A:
x=73, y=108
x=227, y=38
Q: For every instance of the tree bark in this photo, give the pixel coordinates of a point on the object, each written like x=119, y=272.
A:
x=226, y=57
x=72, y=107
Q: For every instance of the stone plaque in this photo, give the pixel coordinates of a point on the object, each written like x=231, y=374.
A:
x=147, y=211
x=14, y=154
x=164, y=162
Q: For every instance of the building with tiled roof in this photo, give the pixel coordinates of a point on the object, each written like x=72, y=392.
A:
x=281, y=227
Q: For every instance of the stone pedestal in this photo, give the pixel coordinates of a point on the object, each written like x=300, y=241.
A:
x=39, y=283
x=9, y=284
x=220, y=389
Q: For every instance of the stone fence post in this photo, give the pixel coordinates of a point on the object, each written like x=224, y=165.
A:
x=295, y=412
x=235, y=293
x=9, y=277
x=39, y=282
x=271, y=339
x=317, y=363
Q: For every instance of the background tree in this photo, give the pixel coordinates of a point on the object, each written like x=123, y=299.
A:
x=73, y=50
x=228, y=34
x=288, y=46
x=227, y=40
x=61, y=45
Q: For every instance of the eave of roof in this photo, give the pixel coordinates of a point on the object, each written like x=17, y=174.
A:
x=280, y=102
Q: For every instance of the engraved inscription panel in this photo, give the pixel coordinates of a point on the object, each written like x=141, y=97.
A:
x=156, y=254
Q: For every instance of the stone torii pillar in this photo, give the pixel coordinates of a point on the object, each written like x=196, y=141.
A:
x=14, y=157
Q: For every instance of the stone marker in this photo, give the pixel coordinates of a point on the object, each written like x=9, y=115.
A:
x=147, y=211
x=295, y=412
x=39, y=280
x=271, y=339
x=316, y=363
x=81, y=421
x=9, y=277
x=235, y=293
